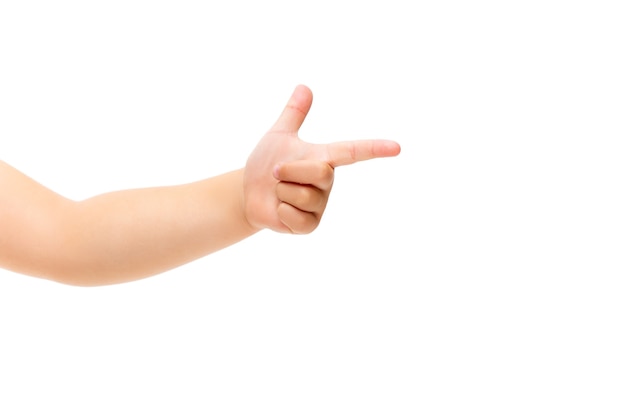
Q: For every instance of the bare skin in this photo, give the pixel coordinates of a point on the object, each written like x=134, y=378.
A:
x=132, y=234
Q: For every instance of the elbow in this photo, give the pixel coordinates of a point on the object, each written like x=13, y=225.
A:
x=74, y=279
x=64, y=252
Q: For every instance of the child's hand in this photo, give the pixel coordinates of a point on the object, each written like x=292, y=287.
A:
x=287, y=181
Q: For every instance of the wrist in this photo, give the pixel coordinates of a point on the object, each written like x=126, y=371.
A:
x=243, y=208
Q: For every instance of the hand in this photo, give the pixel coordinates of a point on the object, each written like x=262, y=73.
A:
x=287, y=181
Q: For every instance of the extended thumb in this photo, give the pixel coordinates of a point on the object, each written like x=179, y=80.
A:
x=295, y=111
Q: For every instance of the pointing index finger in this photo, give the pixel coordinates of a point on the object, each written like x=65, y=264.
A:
x=346, y=153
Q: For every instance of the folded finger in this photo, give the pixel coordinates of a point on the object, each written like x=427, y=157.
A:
x=317, y=173
x=298, y=221
x=303, y=197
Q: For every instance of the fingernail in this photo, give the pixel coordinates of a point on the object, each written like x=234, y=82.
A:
x=275, y=170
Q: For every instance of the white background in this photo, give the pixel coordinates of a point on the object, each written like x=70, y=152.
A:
x=481, y=272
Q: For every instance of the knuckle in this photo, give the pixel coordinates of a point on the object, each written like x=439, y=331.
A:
x=324, y=175
x=353, y=152
x=307, y=223
x=327, y=174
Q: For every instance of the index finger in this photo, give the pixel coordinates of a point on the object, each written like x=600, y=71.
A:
x=346, y=153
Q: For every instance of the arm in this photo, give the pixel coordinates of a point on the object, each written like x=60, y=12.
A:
x=131, y=234
x=119, y=236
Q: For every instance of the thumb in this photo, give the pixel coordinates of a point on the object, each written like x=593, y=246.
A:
x=295, y=111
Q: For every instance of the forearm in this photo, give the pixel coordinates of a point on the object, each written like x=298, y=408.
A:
x=133, y=234
x=130, y=234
